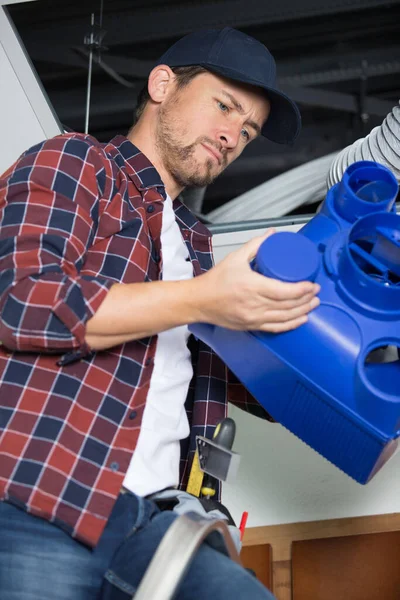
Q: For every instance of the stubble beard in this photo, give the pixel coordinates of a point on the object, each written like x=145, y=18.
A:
x=179, y=160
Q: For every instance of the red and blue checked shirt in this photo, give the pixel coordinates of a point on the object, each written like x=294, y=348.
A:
x=76, y=217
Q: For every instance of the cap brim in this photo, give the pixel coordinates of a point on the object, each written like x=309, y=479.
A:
x=284, y=122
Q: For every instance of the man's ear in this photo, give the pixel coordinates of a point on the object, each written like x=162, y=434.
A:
x=161, y=81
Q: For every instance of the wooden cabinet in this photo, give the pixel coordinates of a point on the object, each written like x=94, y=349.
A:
x=341, y=559
x=259, y=559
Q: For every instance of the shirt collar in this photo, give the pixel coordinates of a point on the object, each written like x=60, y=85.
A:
x=143, y=174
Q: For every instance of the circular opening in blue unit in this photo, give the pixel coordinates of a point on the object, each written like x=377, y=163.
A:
x=382, y=368
x=372, y=184
x=379, y=271
x=374, y=246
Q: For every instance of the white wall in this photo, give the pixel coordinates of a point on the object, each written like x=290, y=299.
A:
x=281, y=479
x=25, y=115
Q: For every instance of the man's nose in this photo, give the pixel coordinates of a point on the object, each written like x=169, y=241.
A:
x=229, y=136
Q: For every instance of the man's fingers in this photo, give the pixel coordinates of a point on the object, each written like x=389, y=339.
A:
x=283, y=316
x=281, y=290
x=282, y=327
x=281, y=320
x=289, y=304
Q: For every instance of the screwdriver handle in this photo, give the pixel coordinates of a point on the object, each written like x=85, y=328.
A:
x=224, y=436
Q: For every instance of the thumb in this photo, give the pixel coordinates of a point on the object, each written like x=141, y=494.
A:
x=250, y=249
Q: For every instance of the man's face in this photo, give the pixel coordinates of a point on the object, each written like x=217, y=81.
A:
x=206, y=125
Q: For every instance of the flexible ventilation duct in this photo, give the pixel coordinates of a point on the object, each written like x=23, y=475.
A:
x=382, y=145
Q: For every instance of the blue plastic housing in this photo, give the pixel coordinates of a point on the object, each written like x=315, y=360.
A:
x=322, y=380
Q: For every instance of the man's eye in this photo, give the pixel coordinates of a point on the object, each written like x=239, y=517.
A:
x=223, y=107
x=245, y=134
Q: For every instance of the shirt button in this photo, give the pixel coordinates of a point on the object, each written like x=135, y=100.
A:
x=148, y=362
x=114, y=466
x=133, y=415
x=157, y=258
x=150, y=208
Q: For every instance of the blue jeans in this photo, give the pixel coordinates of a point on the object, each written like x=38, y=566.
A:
x=39, y=561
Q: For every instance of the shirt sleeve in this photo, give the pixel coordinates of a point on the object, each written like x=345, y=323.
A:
x=49, y=202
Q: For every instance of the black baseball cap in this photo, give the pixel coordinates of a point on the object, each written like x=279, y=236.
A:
x=235, y=55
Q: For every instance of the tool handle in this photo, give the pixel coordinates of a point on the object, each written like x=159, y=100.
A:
x=224, y=436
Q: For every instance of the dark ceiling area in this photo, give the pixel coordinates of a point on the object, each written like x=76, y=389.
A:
x=339, y=59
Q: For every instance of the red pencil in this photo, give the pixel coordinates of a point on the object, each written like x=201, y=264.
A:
x=242, y=525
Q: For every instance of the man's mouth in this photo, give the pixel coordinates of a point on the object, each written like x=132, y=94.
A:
x=214, y=152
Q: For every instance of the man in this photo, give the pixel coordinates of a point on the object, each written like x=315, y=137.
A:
x=101, y=271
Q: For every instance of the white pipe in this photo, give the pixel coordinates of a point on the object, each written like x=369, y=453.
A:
x=278, y=196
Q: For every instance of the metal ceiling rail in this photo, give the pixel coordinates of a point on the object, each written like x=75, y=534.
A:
x=237, y=226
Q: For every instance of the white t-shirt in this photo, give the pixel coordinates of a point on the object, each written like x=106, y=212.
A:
x=155, y=462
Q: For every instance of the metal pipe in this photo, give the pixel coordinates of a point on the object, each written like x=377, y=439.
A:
x=89, y=80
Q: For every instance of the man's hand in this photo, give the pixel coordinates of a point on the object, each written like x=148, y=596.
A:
x=232, y=295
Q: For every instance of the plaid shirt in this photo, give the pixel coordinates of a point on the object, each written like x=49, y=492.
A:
x=76, y=217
